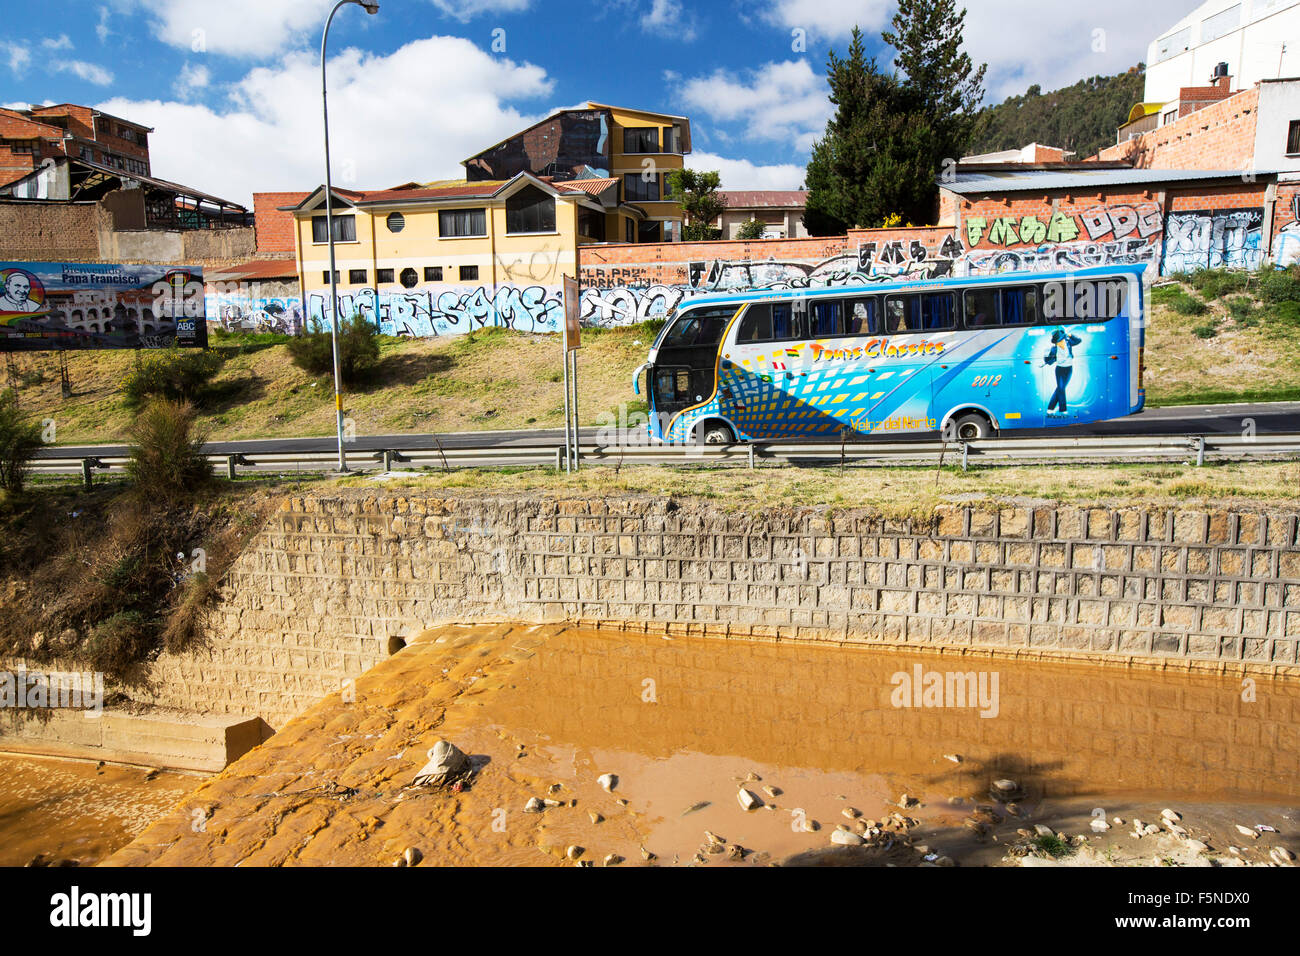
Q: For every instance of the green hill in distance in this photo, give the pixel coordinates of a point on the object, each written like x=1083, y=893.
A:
x=1082, y=117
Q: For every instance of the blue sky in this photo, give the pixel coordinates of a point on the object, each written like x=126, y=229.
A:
x=232, y=86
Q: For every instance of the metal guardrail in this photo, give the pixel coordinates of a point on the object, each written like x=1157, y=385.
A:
x=991, y=451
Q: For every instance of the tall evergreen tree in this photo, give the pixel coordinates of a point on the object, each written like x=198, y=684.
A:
x=928, y=37
x=876, y=157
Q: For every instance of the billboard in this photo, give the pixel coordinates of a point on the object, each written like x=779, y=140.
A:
x=84, y=305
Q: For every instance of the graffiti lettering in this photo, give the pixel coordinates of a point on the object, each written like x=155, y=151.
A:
x=444, y=310
x=1215, y=239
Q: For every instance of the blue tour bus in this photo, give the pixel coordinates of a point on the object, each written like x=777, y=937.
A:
x=965, y=356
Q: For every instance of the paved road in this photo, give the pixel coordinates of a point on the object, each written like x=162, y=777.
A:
x=1273, y=417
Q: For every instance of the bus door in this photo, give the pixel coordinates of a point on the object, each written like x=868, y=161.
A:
x=685, y=369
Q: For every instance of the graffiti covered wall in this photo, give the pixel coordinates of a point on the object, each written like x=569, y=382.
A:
x=1286, y=238
x=1064, y=238
x=255, y=306
x=1213, y=239
x=447, y=309
x=623, y=285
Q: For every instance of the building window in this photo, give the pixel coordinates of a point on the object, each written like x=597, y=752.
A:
x=1293, y=138
x=630, y=232
x=356, y=276
x=636, y=189
x=650, y=232
x=1221, y=23
x=409, y=278
x=641, y=140
x=674, y=138
x=453, y=223
x=469, y=273
x=433, y=273
x=383, y=275
x=591, y=224
x=396, y=222
x=325, y=277
x=87, y=154
x=1173, y=44
x=345, y=229
x=530, y=210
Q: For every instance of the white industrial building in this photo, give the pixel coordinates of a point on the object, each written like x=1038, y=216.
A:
x=1257, y=39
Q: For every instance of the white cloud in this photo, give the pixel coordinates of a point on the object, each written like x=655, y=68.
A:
x=101, y=28
x=668, y=18
x=830, y=19
x=779, y=102
x=61, y=42
x=743, y=174
x=15, y=55
x=385, y=128
x=89, y=72
x=466, y=10
x=247, y=29
x=192, y=78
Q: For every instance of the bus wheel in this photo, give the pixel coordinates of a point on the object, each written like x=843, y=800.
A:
x=714, y=433
x=971, y=427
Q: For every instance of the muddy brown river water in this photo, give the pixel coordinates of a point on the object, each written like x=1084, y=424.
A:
x=685, y=722
x=56, y=811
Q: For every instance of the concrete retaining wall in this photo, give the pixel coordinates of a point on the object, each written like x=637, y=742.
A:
x=173, y=741
x=325, y=587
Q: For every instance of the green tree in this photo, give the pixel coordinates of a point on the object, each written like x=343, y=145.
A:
x=877, y=155
x=697, y=192
x=751, y=229
x=928, y=37
x=19, y=440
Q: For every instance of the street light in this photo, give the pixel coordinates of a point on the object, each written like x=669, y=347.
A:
x=372, y=8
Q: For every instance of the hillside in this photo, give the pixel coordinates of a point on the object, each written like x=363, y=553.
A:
x=1082, y=117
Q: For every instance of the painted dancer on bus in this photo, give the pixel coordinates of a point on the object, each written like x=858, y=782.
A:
x=1061, y=355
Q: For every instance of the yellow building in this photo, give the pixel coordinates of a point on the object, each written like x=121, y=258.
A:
x=493, y=249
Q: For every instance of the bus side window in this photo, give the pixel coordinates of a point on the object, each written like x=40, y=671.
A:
x=1020, y=306
x=784, y=326
x=825, y=319
x=940, y=311
x=756, y=326
x=983, y=308
x=900, y=313
x=862, y=317
x=1098, y=301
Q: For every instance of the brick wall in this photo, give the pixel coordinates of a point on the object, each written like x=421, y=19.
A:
x=275, y=229
x=1221, y=136
x=51, y=232
x=321, y=590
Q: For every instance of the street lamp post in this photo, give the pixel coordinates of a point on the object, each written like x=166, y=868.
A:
x=371, y=8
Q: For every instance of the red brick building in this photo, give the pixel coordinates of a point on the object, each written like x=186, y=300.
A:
x=28, y=137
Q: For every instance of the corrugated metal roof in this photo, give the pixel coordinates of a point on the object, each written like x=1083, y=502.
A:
x=255, y=269
x=1036, y=180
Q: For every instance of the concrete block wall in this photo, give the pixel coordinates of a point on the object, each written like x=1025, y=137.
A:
x=328, y=583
